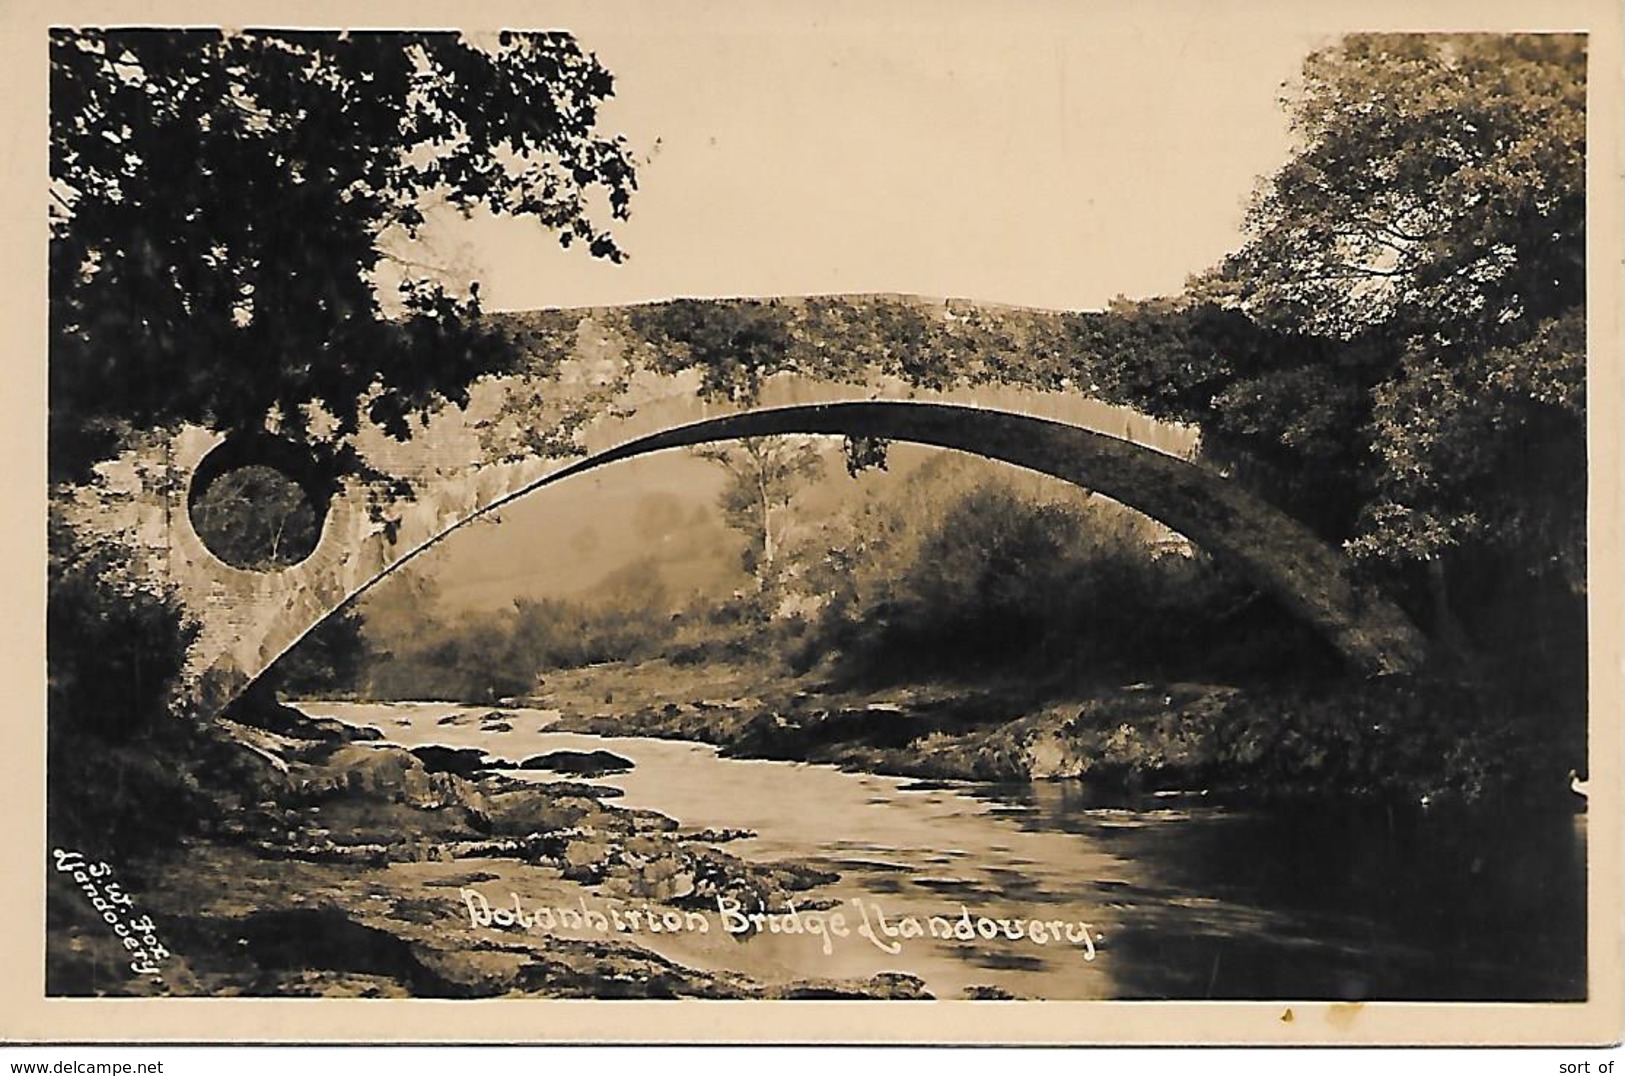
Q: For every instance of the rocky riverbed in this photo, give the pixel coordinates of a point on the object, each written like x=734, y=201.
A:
x=361, y=869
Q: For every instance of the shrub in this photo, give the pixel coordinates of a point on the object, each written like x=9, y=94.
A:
x=117, y=768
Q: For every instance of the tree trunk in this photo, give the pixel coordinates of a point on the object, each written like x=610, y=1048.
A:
x=767, y=526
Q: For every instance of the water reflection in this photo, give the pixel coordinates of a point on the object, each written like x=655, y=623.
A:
x=1348, y=904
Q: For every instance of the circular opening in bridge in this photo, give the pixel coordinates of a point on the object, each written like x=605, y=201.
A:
x=257, y=503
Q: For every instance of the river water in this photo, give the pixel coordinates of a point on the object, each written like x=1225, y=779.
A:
x=1183, y=899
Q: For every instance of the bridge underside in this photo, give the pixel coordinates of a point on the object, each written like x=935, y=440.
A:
x=1273, y=551
x=250, y=618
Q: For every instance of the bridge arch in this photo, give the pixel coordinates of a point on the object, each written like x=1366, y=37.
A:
x=1276, y=553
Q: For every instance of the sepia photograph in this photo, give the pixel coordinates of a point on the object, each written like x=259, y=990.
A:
x=904, y=503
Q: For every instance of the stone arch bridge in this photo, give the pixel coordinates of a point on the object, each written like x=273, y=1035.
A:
x=250, y=618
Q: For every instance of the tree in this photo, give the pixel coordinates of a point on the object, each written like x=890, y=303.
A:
x=1397, y=353
x=221, y=204
x=1437, y=190
x=1436, y=207
x=764, y=476
x=255, y=517
x=332, y=658
x=968, y=566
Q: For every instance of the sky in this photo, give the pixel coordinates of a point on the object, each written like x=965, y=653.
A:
x=1045, y=155
x=1037, y=154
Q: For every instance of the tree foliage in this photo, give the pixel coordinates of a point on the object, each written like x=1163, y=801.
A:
x=965, y=567
x=1437, y=191
x=1436, y=208
x=481, y=656
x=734, y=345
x=329, y=660
x=738, y=343
x=1397, y=352
x=1282, y=411
x=113, y=654
x=221, y=204
x=255, y=517
x=764, y=476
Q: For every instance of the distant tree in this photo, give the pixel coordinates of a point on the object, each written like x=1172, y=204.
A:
x=404, y=607
x=964, y=567
x=221, y=204
x=331, y=659
x=764, y=476
x=657, y=514
x=256, y=517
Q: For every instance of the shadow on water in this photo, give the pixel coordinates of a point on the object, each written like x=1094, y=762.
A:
x=1336, y=904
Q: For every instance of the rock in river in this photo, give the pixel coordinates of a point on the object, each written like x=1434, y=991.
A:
x=463, y=761
x=584, y=763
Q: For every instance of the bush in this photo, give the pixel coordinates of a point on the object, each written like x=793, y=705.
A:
x=117, y=776
x=987, y=577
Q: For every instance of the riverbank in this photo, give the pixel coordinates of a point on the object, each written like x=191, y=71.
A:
x=440, y=850
x=1395, y=741
x=353, y=868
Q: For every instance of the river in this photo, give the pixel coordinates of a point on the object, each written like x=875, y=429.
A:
x=1183, y=899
